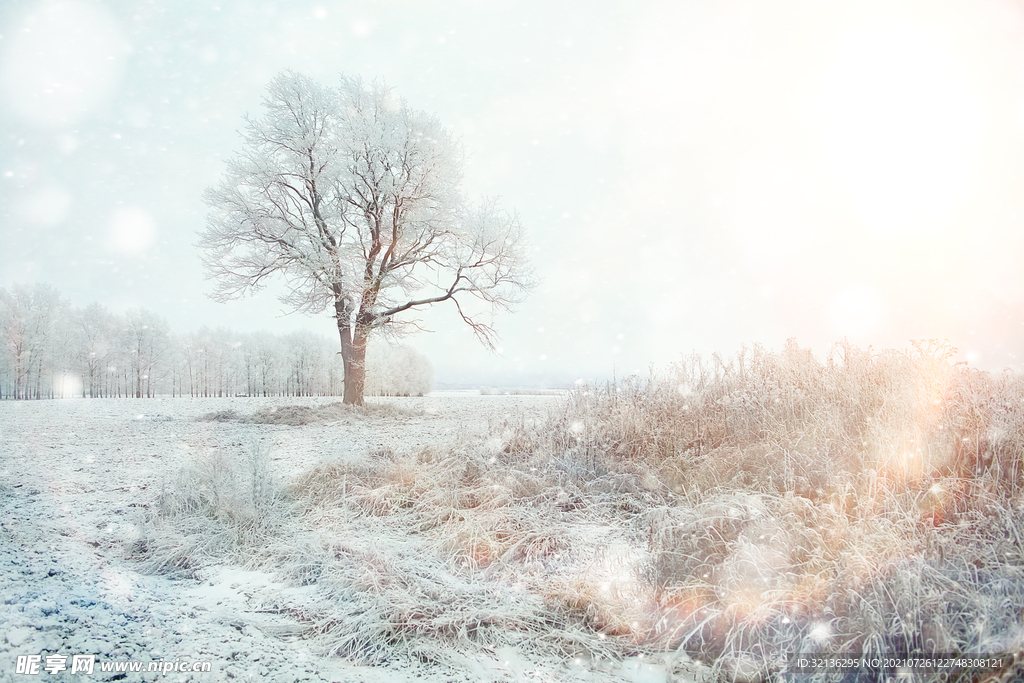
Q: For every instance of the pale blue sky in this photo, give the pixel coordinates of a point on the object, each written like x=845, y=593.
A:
x=693, y=175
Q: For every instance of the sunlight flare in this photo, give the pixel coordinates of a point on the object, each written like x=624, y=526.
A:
x=901, y=127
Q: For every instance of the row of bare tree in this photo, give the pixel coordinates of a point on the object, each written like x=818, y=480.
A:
x=51, y=349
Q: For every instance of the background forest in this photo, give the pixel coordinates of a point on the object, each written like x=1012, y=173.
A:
x=51, y=349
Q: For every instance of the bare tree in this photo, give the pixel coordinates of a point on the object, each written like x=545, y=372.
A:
x=354, y=199
x=397, y=371
x=96, y=332
x=145, y=340
x=29, y=317
x=268, y=354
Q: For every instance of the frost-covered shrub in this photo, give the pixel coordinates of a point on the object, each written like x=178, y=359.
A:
x=397, y=371
x=221, y=507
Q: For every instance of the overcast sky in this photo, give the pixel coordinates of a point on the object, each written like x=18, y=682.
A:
x=693, y=175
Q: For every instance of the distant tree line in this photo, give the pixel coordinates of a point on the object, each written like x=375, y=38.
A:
x=50, y=349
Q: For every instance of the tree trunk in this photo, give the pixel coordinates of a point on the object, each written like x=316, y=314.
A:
x=355, y=370
x=353, y=350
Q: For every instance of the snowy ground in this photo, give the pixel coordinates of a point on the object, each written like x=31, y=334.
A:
x=76, y=478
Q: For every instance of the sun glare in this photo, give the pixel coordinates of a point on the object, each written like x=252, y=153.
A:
x=132, y=230
x=67, y=385
x=901, y=126
x=856, y=311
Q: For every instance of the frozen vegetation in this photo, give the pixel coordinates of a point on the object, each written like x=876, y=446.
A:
x=707, y=522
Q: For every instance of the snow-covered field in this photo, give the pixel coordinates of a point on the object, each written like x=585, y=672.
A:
x=78, y=477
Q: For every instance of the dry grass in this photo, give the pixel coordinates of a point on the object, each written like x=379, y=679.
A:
x=299, y=415
x=473, y=548
x=739, y=511
x=410, y=561
x=870, y=503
